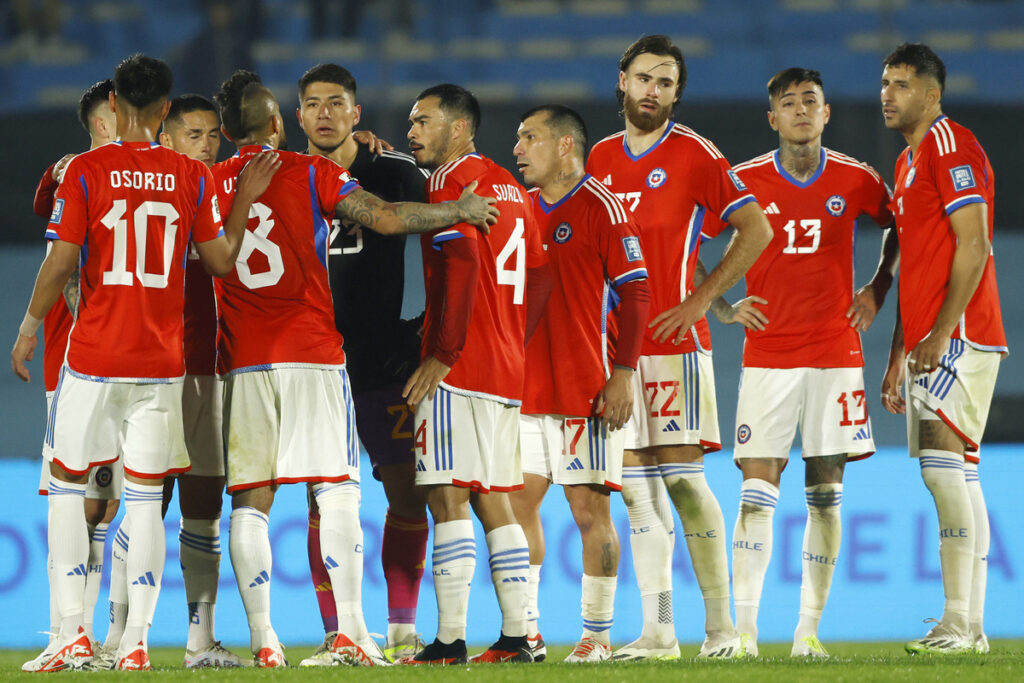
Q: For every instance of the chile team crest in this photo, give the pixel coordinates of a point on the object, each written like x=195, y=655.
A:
x=656, y=178
x=743, y=434
x=562, y=233
x=910, y=176
x=835, y=205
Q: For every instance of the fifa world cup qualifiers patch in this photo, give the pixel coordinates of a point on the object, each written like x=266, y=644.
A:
x=736, y=181
x=632, y=246
x=58, y=211
x=963, y=178
x=216, y=208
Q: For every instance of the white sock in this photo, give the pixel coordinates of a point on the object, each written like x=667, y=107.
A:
x=145, y=562
x=510, y=571
x=822, y=537
x=68, y=538
x=341, y=548
x=199, y=547
x=652, y=537
x=704, y=528
x=94, y=577
x=982, y=538
x=532, y=601
x=118, y=586
x=252, y=562
x=598, y=607
x=452, y=565
x=54, y=612
x=752, y=550
x=943, y=474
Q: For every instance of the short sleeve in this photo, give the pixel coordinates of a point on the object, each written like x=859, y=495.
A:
x=69, y=218
x=877, y=198
x=535, y=254
x=622, y=251
x=332, y=183
x=718, y=187
x=450, y=191
x=207, y=224
x=960, y=171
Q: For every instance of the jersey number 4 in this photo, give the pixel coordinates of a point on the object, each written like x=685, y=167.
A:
x=515, y=276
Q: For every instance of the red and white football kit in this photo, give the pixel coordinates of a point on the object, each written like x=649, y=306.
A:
x=132, y=207
x=671, y=189
x=593, y=245
x=949, y=171
x=288, y=413
x=467, y=434
x=805, y=367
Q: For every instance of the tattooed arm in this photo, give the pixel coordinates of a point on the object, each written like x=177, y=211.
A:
x=389, y=218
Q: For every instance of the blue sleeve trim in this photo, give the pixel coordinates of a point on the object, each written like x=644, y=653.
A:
x=960, y=203
x=737, y=204
x=629, y=277
x=448, y=236
x=85, y=188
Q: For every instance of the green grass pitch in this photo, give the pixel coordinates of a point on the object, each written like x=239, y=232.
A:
x=854, y=662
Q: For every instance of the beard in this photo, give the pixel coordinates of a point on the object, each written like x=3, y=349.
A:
x=642, y=119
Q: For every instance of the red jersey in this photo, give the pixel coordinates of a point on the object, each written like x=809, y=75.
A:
x=58, y=320
x=491, y=363
x=806, y=271
x=275, y=307
x=670, y=189
x=593, y=244
x=132, y=207
x=949, y=171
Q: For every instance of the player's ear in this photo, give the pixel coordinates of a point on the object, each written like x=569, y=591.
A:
x=164, y=139
x=622, y=81
x=771, y=120
x=358, y=114
x=112, y=101
x=164, y=109
x=224, y=132
x=828, y=112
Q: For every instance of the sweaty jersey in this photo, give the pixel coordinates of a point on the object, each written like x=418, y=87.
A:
x=949, y=171
x=492, y=359
x=806, y=271
x=132, y=206
x=670, y=189
x=275, y=307
x=593, y=245
x=381, y=349
x=58, y=320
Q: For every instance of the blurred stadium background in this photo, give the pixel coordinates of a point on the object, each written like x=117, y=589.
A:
x=514, y=54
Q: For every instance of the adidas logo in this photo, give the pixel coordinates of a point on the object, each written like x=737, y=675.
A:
x=263, y=578
x=420, y=467
x=772, y=209
x=672, y=426
x=575, y=465
x=514, y=579
x=145, y=580
x=330, y=563
x=607, y=179
x=77, y=571
x=864, y=433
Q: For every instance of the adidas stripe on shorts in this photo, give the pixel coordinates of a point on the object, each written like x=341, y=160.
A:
x=571, y=450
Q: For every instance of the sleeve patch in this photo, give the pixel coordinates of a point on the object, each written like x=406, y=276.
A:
x=631, y=245
x=216, y=209
x=58, y=211
x=734, y=177
x=963, y=178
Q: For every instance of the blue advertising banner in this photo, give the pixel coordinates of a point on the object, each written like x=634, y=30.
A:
x=887, y=579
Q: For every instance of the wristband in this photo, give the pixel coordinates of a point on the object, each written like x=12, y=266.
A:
x=29, y=325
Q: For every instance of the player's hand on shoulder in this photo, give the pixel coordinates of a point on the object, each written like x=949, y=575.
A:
x=23, y=351
x=866, y=303
x=368, y=138
x=614, y=403
x=61, y=166
x=477, y=210
x=254, y=178
x=748, y=315
x=425, y=380
x=892, y=388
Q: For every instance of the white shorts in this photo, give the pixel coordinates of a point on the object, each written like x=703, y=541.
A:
x=106, y=482
x=674, y=403
x=91, y=422
x=467, y=441
x=289, y=425
x=202, y=410
x=959, y=393
x=571, y=450
x=828, y=404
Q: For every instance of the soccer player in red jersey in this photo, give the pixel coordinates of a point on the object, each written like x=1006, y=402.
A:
x=672, y=179
x=802, y=360
x=578, y=393
x=288, y=411
x=949, y=337
x=381, y=350
x=103, y=492
x=192, y=128
x=484, y=295
x=121, y=380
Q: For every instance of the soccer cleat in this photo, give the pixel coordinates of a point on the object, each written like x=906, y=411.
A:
x=646, y=648
x=322, y=656
x=537, y=647
x=505, y=649
x=33, y=665
x=103, y=658
x=270, y=658
x=941, y=640
x=439, y=654
x=367, y=653
x=749, y=645
x=74, y=653
x=809, y=646
x=406, y=647
x=136, y=660
x=720, y=646
x=981, y=644
x=589, y=650
x=215, y=655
